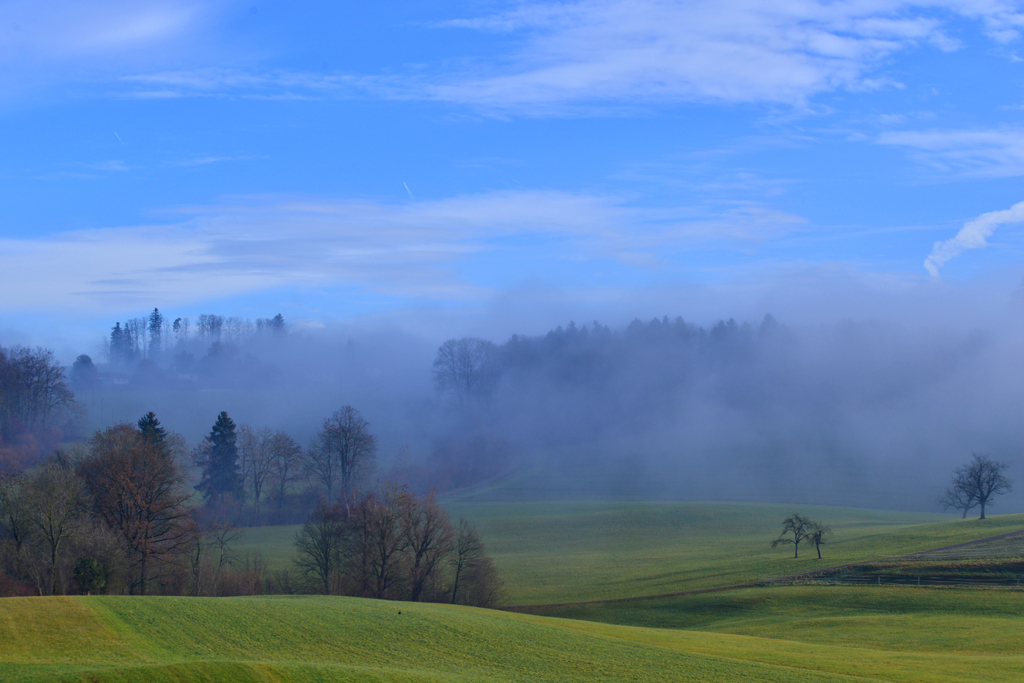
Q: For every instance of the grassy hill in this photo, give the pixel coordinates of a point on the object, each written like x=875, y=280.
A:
x=318, y=638
x=563, y=552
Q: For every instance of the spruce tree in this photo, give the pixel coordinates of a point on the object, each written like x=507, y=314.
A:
x=120, y=345
x=152, y=432
x=221, y=475
x=156, y=324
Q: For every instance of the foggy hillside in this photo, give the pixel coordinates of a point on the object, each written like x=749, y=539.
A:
x=856, y=413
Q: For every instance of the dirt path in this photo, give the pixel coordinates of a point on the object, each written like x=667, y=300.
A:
x=753, y=584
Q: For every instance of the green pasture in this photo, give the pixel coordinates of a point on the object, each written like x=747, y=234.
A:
x=783, y=634
x=567, y=552
x=903, y=618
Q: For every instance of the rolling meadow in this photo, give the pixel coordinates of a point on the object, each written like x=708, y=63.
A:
x=575, y=579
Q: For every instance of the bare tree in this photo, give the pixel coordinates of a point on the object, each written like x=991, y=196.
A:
x=210, y=326
x=976, y=483
x=817, y=534
x=386, y=538
x=429, y=535
x=475, y=581
x=58, y=500
x=256, y=451
x=318, y=545
x=32, y=386
x=342, y=452
x=464, y=368
x=15, y=515
x=222, y=536
x=795, y=530
x=137, y=490
x=136, y=330
x=285, y=464
x=959, y=496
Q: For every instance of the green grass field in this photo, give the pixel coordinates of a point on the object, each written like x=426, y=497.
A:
x=782, y=634
x=563, y=552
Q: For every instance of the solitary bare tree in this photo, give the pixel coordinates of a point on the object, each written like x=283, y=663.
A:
x=795, y=529
x=817, y=534
x=976, y=483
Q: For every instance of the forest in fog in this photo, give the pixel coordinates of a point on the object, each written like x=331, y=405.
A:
x=858, y=413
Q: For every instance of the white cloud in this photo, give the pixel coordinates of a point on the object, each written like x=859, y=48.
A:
x=600, y=51
x=53, y=42
x=560, y=56
x=973, y=235
x=57, y=29
x=271, y=83
x=416, y=250
x=986, y=153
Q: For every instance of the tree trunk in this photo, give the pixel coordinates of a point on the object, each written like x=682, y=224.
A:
x=455, y=587
x=796, y=550
x=982, y=510
x=142, y=576
x=53, y=569
x=818, y=548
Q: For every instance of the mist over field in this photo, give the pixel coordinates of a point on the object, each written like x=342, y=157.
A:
x=792, y=404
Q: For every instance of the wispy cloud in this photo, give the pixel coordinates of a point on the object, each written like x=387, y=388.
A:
x=262, y=84
x=588, y=55
x=973, y=235
x=980, y=152
x=413, y=250
x=60, y=29
x=734, y=51
x=45, y=43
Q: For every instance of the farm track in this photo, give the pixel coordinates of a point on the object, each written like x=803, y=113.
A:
x=761, y=581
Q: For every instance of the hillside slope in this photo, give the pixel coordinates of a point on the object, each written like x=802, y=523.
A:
x=344, y=639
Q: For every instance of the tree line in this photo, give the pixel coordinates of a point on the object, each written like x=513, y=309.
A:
x=391, y=544
x=148, y=337
x=115, y=515
x=37, y=407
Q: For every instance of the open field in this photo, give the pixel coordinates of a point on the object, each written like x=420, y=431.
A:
x=760, y=638
x=560, y=553
x=781, y=634
x=564, y=552
x=904, y=618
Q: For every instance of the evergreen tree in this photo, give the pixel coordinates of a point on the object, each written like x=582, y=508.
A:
x=152, y=432
x=156, y=324
x=121, y=352
x=221, y=475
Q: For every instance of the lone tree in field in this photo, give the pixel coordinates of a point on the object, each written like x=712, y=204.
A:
x=976, y=483
x=817, y=535
x=795, y=530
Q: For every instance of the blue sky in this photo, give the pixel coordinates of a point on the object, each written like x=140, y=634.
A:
x=418, y=161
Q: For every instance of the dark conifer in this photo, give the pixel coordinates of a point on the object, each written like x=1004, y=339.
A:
x=152, y=432
x=221, y=475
